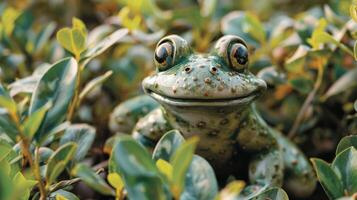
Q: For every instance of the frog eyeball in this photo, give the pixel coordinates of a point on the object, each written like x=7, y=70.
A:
x=238, y=56
x=164, y=56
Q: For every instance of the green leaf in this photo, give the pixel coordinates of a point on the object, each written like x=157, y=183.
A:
x=5, y=149
x=72, y=40
x=254, y=27
x=77, y=23
x=58, y=161
x=200, y=183
x=167, y=145
x=33, y=122
x=65, y=194
x=23, y=187
x=345, y=166
x=301, y=84
x=57, y=85
x=83, y=135
x=43, y=37
x=6, y=185
x=132, y=161
x=7, y=126
x=232, y=190
x=346, y=142
x=8, y=18
x=180, y=162
x=353, y=11
x=116, y=181
x=273, y=193
x=7, y=102
x=237, y=23
x=94, y=83
x=165, y=168
x=296, y=62
x=96, y=49
x=355, y=50
x=208, y=7
x=328, y=179
x=323, y=38
x=342, y=84
x=93, y=180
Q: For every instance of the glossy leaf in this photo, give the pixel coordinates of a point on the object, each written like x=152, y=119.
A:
x=72, y=40
x=346, y=142
x=97, y=49
x=353, y=11
x=134, y=163
x=7, y=102
x=200, y=183
x=117, y=182
x=165, y=168
x=33, y=122
x=167, y=145
x=231, y=191
x=7, y=126
x=23, y=186
x=180, y=162
x=94, y=83
x=77, y=23
x=6, y=186
x=43, y=37
x=273, y=193
x=57, y=86
x=301, y=84
x=83, y=135
x=64, y=194
x=345, y=166
x=342, y=84
x=58, y=161
x=328, y=179
x=90, y=178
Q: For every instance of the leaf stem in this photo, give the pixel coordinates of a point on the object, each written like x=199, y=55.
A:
x=25, y=145
x=308, y=101
x=75, y=101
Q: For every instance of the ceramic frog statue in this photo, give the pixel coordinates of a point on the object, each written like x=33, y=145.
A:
x=211, y=95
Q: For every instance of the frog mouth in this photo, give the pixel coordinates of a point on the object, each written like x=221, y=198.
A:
x=233, y=101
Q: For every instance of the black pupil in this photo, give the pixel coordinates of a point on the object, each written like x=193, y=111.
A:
x=241, y=55
x=161, y=54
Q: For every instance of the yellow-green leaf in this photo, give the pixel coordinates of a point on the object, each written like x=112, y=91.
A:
x=33, y=122
x=165, y=168
x=232, y=190
x=72, y=40
x=180, y=162
x=77, y=23
x=115, y=180
x=60, y=197
x=8, y=19
x=353, y=12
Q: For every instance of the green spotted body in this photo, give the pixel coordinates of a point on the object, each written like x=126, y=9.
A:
x=211, y=96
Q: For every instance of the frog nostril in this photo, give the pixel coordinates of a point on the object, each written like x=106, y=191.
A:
x=213, y=70
x=188, y=69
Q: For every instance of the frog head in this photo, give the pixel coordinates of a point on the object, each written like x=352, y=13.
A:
x=202, y=88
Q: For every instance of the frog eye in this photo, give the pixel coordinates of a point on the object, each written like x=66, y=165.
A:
x=164, y=55
x=234, y=51
x=169, y=51
x=238, y=56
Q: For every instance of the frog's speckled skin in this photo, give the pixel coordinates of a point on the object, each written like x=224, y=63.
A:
x=205, y=95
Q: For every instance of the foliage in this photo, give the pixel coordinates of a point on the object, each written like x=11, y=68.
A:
x=339, y=178
x=64, y=66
